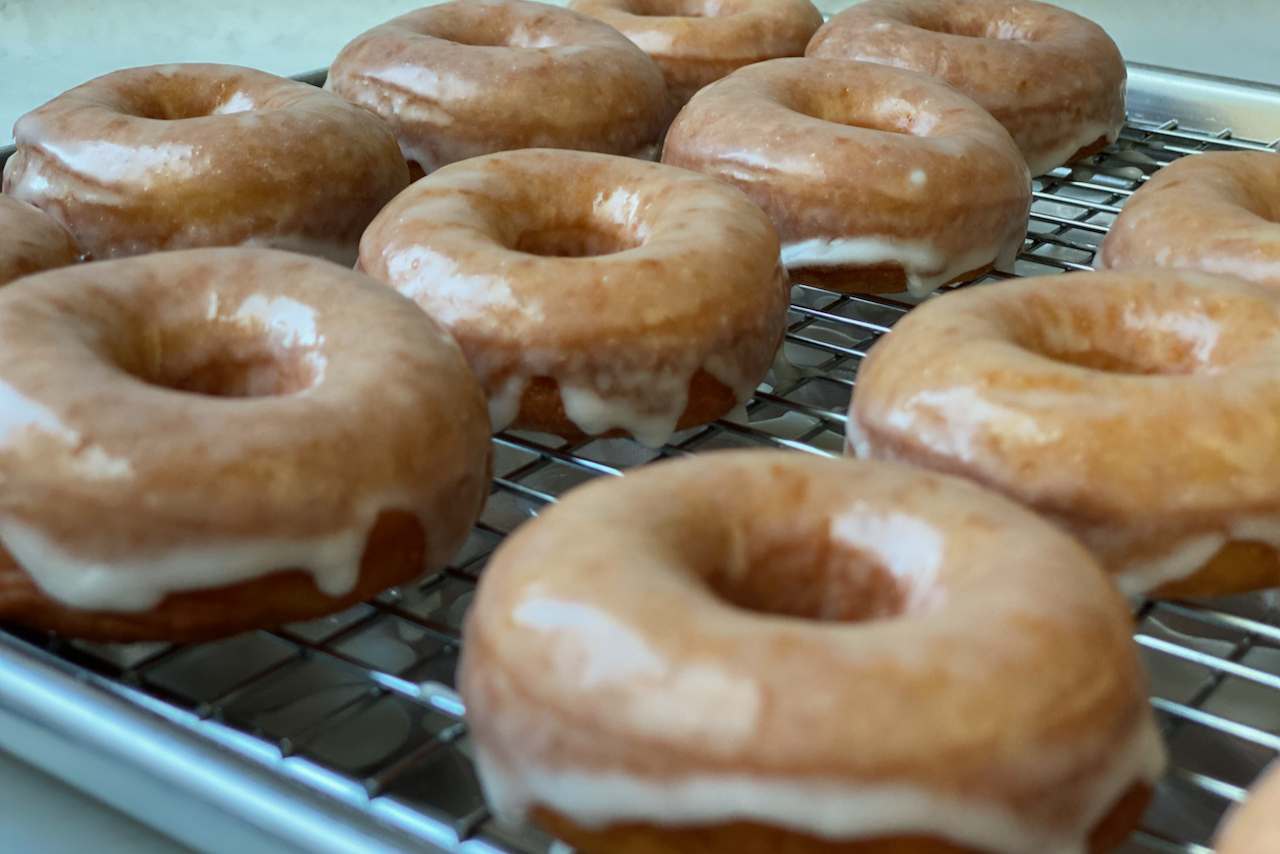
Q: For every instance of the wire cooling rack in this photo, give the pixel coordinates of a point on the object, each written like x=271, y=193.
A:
x=359, y=707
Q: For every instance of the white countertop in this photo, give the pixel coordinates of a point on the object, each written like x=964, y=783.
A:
x=47, y=46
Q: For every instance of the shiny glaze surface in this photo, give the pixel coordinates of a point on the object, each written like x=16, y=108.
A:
x=192, y=155
x=189, y=420
x=1254, y=826
x=472, y=77
x=844, y=648
x=31, y=241
x=1055, y=80
x=696, y=42
x=1140, y=410
x=892, y=163
x=618, y=279
x=1216, y=212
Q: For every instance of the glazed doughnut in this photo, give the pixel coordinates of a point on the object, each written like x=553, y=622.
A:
x=592, y=295
x=696, y=42
x=1212, y=212
x=1055, y=80
x=473, y=77
x=877, y=179
x=31, y=241
x=1254, y=826
x=199, y=443
x=1140, y=411
x=763, y=651
x=184, y=156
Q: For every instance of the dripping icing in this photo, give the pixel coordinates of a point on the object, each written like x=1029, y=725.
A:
x=926, y=267
x=133, y=584
x=831, y=809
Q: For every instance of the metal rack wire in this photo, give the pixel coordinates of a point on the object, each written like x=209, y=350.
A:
x=359, y=706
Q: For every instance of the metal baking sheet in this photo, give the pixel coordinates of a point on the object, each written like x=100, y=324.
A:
x=343, y=735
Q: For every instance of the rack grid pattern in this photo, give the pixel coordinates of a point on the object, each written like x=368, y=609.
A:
x=360, y=705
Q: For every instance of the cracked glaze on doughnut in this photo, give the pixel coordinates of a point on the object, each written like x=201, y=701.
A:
x=1055, y=80
x=473, y=77
x=201, y=442
x=1217, y=212
x=590, y=293
x=696, y=42
x=31, y=241
x=842, y=650
x=183, y=156
x=877, y=179
x=1140, y=410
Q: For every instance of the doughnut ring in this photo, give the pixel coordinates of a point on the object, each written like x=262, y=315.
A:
x=696, y=42
x=1214, y=212
x=198, y=443
x=471, y=77
x=593, y=295
x=1139, y=410
x=1055, y=80
x=877, y=179
x=192, y=155
x=31, y=241
x=767, y=651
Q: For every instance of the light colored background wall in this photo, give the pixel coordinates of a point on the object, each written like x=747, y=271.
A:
x=47, y=46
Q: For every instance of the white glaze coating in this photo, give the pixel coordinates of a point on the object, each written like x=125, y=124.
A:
x=593, y=414
x=786, y=374
x=182, y=156
x=1055, y=80
x=139, y=583
x=662, y=274
x=610, y=678
x=1174, y=554
x=1138, y=410
x=1047, y=160
x=504, y=404
x=906, y=170
x=277, y=431
x=826, y=809
x=457, y=80
x=647, y=403
x=1182, y=554
x=926, y=267
x=909, y=548
x=855, y=440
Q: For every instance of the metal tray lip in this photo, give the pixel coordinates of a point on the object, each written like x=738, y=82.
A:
x=1252, y=86
x=93, y=715
x=1205, y=102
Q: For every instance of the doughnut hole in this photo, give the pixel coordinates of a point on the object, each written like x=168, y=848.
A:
x=847, y=106
x=489, y=27
x=168, y=98
x=974, y=21
x=581, y=241
x=226, y=358
x=806, y=573
x=1255, y=191
x=568, y=230
x=679, y=8
x=1150, y=339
